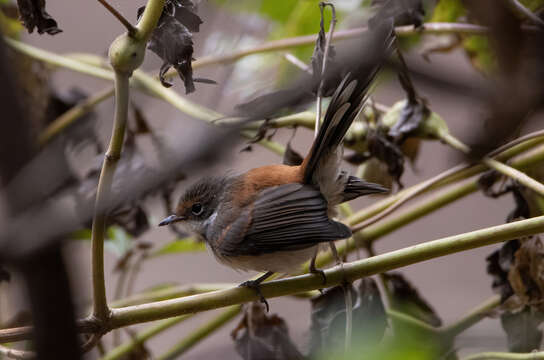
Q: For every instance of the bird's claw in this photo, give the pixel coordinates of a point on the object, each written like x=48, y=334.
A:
x=321, y=273
x=252, y=284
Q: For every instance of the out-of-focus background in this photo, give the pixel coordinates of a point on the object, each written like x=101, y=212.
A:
x=452, y=284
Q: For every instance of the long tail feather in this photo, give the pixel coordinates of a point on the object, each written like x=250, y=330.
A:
x=347, y=101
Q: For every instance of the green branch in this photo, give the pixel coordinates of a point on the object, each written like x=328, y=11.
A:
x=201, y=333
x=100, y=306
x=506, y=170
x=149, y=19
x=141, y=337
x=77, y=111
x=60, y=60
x=471, y=318
x=506, y=356
x=335, y=276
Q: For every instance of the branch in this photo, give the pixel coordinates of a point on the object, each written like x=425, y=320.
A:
x=471, y=318
x=201, y=333
x=149, y=19
x=59, y=60
x=506, y=356
x=16, y=354
x=458, y=173
x=436, y=201
x=77, y=111
x=288, y=43
x=332, y=24
x=141, y=337
x=506, y=170
x=92, y=325
x=113, y=154
x=131, y=29
x=524, y=12
x=334, y=276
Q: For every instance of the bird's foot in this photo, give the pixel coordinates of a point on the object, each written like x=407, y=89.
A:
x=255, y=285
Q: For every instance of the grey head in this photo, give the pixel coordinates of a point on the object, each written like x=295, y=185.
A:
x=198, y=205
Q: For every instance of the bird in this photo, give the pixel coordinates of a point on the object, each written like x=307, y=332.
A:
x=272, y=218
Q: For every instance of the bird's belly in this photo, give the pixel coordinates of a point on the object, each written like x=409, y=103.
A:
x=284, y=262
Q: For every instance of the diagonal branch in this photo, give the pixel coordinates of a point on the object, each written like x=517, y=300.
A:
x=335, y=276
x=130, y=28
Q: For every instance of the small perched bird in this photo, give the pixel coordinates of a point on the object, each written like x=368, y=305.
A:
x=272, y=218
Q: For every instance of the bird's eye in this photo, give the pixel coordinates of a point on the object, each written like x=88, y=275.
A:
x=197, y=209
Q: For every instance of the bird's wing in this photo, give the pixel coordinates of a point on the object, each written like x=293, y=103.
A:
x=285, y=217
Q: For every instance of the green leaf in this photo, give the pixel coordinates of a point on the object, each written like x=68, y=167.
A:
x=185, y=245
x=533, y=5
x=118, y=240
x=83, y=234
x=431, y=127
x=277, y=10
x=480, y=53
x=448, y=11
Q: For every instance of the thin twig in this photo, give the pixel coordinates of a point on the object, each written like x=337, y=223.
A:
x=471, y=318
x=523, y=11
x=16, y=354
x=77, y=111
x=122, y=350
x=332, y=25
x=297, y=62
x=537, y=355
x=130, y=28
x=504, y=169
x=91, y=342
x=201, y=333
x=410, y=194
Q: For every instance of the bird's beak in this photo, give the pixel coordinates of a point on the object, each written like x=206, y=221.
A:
x=171, y=219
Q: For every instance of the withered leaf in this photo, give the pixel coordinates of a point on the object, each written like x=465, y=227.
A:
x=369, y=317
x=499, y=263
x=290, y=156
x=526, y=275
x=387, y=152
x=328, y=326
x=406, y=298
x=415, y=110
x=522, y=330
x=259, y=336
x=4, y=274
x=329, y=82
x=406, y=12
x=33, y=15
x=132, y=218
x=172, y=41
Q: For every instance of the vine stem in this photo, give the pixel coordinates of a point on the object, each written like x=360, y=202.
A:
x=539, y=355
x=435, y=201
x=201, y=333
x=130, y=29
x=149, y=19
x=471, y=318
x=100, y=306
x=335, y=276
x=123, y=349
x=506, y=170
x=92, y=325
x=328, y=41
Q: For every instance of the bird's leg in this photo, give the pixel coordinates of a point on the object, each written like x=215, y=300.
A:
x=255, y=285
x=315, y=270
x=335, y=254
